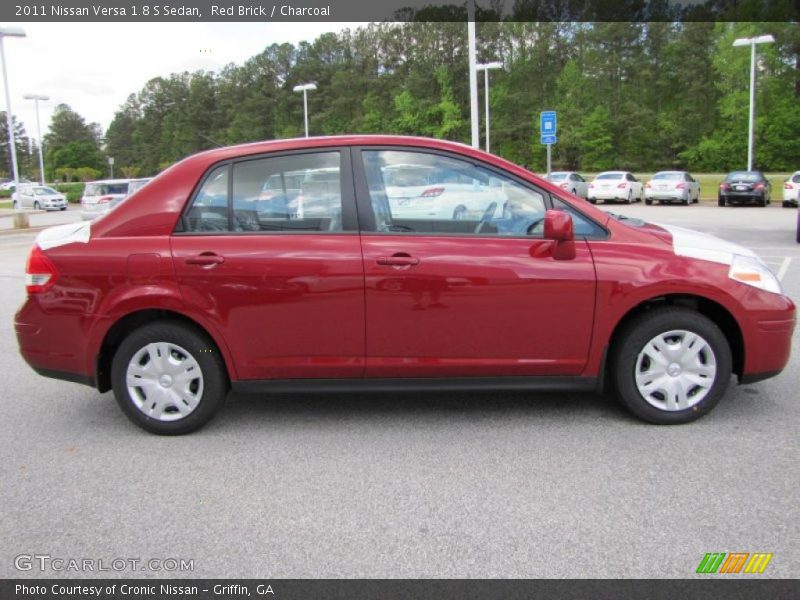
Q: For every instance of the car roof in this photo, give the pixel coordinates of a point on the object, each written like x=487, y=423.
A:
x=613, y=173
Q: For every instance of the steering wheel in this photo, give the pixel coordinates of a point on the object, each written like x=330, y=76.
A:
x=536, y=227
x=486, y=217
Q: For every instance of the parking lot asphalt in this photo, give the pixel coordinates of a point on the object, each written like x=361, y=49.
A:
x=435, y=485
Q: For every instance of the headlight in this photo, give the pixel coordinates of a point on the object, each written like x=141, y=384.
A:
x=751, y=271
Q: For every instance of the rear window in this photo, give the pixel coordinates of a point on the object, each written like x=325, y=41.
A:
x=796, y=178
x=557, y=176
x=669, y=176
x=743, y=176
x=105, y=189
x=611, y=176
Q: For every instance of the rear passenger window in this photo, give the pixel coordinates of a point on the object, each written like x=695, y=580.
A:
x=288, y=193
x=301, y=192
x=209, y=211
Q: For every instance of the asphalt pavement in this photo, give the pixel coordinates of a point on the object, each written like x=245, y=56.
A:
x=473, y=485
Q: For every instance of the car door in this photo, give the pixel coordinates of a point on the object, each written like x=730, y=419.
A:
x=468, y=297
x=277, y=268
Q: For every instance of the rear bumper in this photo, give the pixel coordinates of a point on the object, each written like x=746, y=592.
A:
x=52, y=345
x=742, y=196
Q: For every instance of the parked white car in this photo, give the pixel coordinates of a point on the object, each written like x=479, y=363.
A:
x=422, y=192
x=99, y=197
x=672, y=186
x=39, y=197
x=791, y=191
x=571, y=182
x=619, y=186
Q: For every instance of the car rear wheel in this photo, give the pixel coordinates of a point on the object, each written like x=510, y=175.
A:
x=168, y=378
x=648, y=201
x=459, y=213
x=629, y=199
x=671, y=365
x=720, y=202
x=37, y=206
x=14, y=205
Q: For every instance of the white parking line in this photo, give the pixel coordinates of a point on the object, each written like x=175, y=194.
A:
x=783, y=268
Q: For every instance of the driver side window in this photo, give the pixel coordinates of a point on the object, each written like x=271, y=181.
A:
x=416, y=192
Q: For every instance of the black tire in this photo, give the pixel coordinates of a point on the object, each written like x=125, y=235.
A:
x=761, y=201
x=592, y=200
x=720, y=201
x=638, y=333
x=14, y=205
x=649, y=201
x=37, y=206
x=200, y=347
x=459, y=213
x=629, y=199
x=63, y=208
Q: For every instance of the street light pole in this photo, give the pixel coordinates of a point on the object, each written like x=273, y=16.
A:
x=305, y=88
x=761, y=39
x=20, y=218
x=473, y=75
x=485, y=67
x=36, y=98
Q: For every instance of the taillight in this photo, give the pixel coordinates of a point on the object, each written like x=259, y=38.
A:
x=40, y=274
x=622, y=185
x=432, y=192
x=564, y=185
x=591, y=185
x=724, y=186
x=788, y=186
x=759, y=186
x=105, y=199
x=680, y=186
x=647, y=185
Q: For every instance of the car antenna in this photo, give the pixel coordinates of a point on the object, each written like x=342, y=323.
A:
x=208, y=139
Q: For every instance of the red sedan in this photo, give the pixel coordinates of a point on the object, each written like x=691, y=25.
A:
x=287, y=265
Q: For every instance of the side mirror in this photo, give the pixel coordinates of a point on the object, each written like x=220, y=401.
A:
x=558, y=226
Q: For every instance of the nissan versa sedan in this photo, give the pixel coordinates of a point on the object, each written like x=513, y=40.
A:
x=190, y=289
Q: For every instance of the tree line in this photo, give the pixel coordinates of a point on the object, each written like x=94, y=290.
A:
x=637, y=96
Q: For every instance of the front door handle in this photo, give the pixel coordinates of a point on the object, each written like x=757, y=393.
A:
x=398, y=260
x=207, y=259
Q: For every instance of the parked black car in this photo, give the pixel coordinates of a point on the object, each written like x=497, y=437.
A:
x=744, y=186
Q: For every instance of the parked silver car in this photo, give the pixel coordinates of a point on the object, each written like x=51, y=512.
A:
x=571, y=182
x=672, y=186
x=101, y=196
x=39, y=197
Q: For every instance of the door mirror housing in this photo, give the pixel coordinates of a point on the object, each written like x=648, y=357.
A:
x=558, y=226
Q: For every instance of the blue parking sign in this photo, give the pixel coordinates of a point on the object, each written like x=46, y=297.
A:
x=548, y=126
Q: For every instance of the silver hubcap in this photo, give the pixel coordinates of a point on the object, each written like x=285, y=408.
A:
x=164, y=381
x=675, y=370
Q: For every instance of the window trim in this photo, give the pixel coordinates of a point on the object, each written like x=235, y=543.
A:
x=350, y=219
x=366, y=215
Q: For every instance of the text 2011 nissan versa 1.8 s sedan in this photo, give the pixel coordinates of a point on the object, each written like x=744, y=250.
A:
x=282, y=266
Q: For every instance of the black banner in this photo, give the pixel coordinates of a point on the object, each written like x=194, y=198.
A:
x=395, y=589
x=397, y=10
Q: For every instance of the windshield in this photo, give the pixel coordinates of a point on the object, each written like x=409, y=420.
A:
x=44, y=191
x=668, y=175
x=104, y=189
x=611, y=176
x=742, y=176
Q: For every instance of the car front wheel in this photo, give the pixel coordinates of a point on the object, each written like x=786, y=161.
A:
x=168, y=378
x=671, y=365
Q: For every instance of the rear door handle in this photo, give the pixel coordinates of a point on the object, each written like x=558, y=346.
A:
x=398, y=260
x=205, y=260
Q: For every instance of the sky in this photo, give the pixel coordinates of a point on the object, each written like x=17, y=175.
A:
x=94, y=67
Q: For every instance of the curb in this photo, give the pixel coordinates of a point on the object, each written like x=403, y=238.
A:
x=27, y=230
